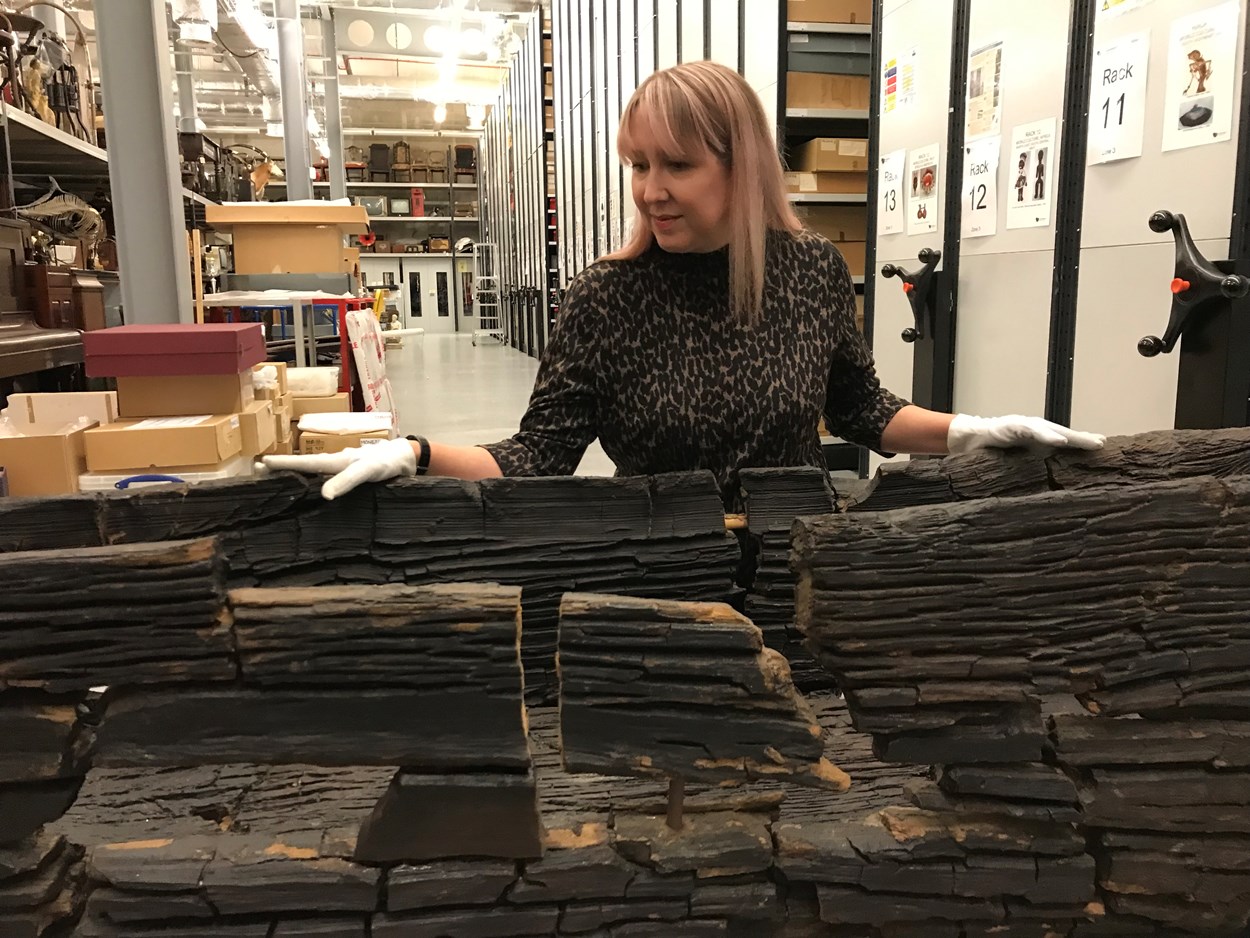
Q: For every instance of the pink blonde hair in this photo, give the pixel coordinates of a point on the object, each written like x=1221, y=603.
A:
x=701, y=107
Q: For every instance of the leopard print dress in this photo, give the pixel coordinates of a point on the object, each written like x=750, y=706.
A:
x=647, y=357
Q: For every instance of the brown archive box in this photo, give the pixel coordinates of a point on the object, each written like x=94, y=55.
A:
x=831, y=155
x=62, y=407
x=829, y=11
x=256, y=421
x=184, y=396
x=836, y=92
x=836, y=222
x=164, y=442
x=45, y=460
x=828, y=183
x=311, y=441
x=333, y=404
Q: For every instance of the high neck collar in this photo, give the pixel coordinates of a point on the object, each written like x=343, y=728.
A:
x=697, y=262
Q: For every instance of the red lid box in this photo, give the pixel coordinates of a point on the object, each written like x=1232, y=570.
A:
x=177, y=349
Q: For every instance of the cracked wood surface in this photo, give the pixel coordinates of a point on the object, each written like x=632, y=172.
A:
x=649, y=687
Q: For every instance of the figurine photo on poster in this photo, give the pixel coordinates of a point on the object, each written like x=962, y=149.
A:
x=1202, y=67
x=923, y=190
x=1032, y=173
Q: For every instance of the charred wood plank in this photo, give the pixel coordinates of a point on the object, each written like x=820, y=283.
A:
x=143, y=613
x=432, y=817
x=453, y=637
x=667, y=688
x=42, y=736
x=445, y=729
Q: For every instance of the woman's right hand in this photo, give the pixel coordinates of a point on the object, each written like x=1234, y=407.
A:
x=374, y=462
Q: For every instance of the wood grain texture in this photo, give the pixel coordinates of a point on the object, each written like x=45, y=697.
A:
x=1162, y=456
x=946, y=613
x=661, y=536
x=650, y=687
x=142, y=613
x=773, y=499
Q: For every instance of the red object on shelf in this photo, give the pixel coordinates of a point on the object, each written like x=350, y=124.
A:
x=173, y=349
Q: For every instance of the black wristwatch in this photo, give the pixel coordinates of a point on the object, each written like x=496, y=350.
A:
x=423, y=461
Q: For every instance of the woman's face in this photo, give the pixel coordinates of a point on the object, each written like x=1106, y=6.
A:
x=686, y=200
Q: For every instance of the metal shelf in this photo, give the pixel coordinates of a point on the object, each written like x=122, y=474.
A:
x=39, y=149
x=830, y=198
x=281, y=183
x=846, y=29
x=365, y=256
x=429, y=218
x=825, y=114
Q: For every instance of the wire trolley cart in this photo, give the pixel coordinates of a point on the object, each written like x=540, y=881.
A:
x=486, y=291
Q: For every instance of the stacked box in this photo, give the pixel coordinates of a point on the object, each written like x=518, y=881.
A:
x=186, y=399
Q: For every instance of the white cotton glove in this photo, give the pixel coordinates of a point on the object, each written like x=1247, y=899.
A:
x=968, y=433
x=376, y=462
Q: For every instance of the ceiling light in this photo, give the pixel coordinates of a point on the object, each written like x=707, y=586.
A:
x=398, y=36
x=472, y=42
x=436, y=38
x=440, y=113
x=196, y=20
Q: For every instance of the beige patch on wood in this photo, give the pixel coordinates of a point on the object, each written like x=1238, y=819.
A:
x=138, y=845
x=588, y=835
x=291, y=853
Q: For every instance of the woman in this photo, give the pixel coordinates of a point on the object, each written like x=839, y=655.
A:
x=715, y=339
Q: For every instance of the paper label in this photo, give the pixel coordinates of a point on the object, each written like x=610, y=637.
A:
x=925, y=190
x=892, y=220
x=1117, y=105
x=985, y=91
x=852, y=148
x=1031, y=174
x=980, y=210
x=1199, y=103
x=169, y=423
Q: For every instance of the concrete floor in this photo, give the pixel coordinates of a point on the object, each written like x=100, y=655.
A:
x=452, y=392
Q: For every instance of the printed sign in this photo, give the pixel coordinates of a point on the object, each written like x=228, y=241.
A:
x=1202, y=69
x=924, y=190
x=1031, y=169
x=985, y=91
x=1117, y=107
x=893, y=211
x=980, y=210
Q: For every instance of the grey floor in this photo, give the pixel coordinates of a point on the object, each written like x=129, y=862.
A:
x=452, y=392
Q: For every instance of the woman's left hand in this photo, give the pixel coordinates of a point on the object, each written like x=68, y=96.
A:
x=968, y=433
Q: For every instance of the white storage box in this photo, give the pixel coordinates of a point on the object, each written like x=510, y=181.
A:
x=237, y=468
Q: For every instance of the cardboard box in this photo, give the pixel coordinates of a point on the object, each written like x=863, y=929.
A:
x=283, y=447
x=184, y=395
x=313, y=442
x=830, y=155
x=259, y=430
x=829, y=11
x=334, y=404
x=856, y=255
x=58, y=409
x=174, y=350
x=45, y=460
x=164, y=442
x=282, y=417
x=828, y=183
x=836, y=92
x=836, y=222
x=274, y=237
